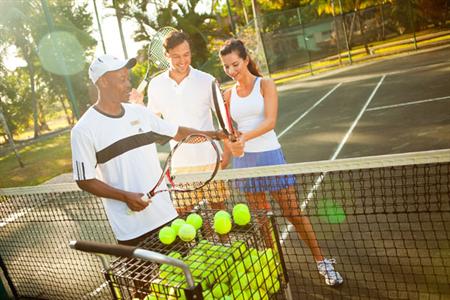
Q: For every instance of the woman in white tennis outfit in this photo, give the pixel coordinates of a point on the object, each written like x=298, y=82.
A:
x=253, y=103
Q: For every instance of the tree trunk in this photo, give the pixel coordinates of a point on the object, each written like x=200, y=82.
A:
x=119, y=22
x=43, y=125
x=10, y=137
x=66, y=112
x=34, y=99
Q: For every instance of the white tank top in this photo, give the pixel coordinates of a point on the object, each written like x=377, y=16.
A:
x=248, y=113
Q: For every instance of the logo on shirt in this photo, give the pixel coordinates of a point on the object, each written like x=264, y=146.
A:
x=135, y=122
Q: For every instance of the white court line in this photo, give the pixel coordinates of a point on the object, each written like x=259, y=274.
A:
x=309, y=110
x=319, y=180
x=408, y=103
x=12, y=217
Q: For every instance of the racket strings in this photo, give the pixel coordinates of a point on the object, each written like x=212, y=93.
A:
x=156, y=51
x=208, y=171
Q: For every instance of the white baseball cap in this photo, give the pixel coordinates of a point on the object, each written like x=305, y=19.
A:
x=107, y=63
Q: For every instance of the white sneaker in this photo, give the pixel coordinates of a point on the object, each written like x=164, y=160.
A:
x=326, y=269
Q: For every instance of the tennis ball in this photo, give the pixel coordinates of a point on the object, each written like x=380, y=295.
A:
x=252, y=261
x=176, y=224
x=151, y=297
x=241, y=214
x=239, y=249
x=259, y=294
x=167, y=235
x=273, y=285
x=222, y=224
x=207, y=295
x=195, y=220
x=222, y=213
x=239, y=294
x=220, y=290
x=187, y=232
x=175, y=254
x=204, y=244
x=266, y=256
x=214, y=251
x=239, y=281
x=330, y=211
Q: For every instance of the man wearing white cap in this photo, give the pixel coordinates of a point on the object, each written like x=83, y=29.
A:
x=114, y=154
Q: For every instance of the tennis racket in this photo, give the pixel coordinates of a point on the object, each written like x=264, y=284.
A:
x=170, y=172
x=157, y=62
x=222, y=112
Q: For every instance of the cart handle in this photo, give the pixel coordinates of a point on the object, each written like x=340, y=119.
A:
x=134, y=252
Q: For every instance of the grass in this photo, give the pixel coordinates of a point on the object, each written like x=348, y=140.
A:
x=43, y=161
x=58, y=122
x=357, y=54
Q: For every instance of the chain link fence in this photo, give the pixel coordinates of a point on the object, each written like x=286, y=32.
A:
x=301, y=39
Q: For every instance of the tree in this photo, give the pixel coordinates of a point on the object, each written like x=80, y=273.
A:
x=185, y=15
x=16, y=25
x=23, y=25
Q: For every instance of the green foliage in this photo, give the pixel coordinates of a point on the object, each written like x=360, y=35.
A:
x=23, y=25
x=202, y=27
x=43, y=161
x=15, y=101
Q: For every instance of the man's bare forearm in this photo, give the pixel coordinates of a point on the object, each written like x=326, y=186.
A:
x=101, y=189
x=185, y=131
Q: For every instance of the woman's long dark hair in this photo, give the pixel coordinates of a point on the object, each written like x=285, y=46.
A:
x=237, y=46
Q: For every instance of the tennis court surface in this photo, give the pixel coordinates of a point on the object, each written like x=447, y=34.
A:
x=369, y=150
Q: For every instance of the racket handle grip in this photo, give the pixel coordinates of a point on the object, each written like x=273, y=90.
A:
x=233, y=138
x=145, y=198
x=141, y=87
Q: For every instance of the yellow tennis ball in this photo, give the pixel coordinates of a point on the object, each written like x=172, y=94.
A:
x=187, y=232
x=176, y=224
x=259, y=294
x=220, y=290
x=239, y=294
x=151, y=297
x=241, y=214
x=222, y=213
x=195, y=220
x=222, y=225
x=273, y=285
x=167, y=235
x=175, y=254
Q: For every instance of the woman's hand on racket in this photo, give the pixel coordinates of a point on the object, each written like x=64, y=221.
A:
x=237, y=146
x=137, y=201
x=136, y=97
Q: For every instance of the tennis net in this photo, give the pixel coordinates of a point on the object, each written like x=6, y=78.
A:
x=384, y=219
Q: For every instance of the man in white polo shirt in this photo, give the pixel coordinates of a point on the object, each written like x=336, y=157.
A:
x=183, y=96
x=114, y=153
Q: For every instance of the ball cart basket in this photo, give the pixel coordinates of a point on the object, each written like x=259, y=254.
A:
x=245, y=263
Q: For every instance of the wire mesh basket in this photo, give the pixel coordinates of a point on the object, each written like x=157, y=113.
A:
x=245, y=263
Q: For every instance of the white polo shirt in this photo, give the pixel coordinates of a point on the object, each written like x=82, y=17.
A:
x=121, y=152
x=186, y=104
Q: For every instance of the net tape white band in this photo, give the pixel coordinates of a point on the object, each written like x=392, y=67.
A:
x=379, y=161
